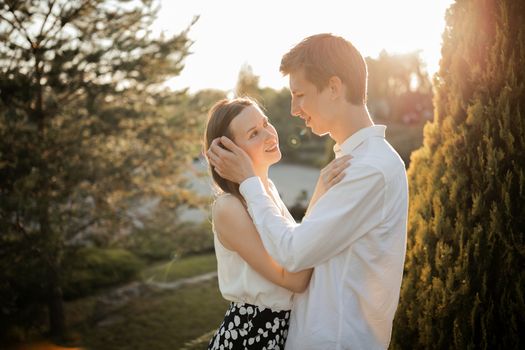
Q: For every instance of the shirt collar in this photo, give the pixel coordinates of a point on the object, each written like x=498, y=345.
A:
x=357, y=138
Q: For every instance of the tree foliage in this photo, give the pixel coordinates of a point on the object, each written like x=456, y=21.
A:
x=247, y=83
x=399, y=89
x=87, y=132
x=464, y=279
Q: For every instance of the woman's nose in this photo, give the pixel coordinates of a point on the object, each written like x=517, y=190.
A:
x=270, y=134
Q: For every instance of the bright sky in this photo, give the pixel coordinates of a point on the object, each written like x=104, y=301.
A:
x=231, y=33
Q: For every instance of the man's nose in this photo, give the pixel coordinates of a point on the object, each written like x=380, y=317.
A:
x=295, y=110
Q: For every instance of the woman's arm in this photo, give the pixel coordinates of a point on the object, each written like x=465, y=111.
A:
x=236, y=231
x=329, y=176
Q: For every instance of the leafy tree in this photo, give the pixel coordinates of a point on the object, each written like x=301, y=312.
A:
x=399, y=88
x=464, y=278
x=247, y=83
x=87, y=132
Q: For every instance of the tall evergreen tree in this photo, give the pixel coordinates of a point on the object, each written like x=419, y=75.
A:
x=465, y=267
x=86, y=131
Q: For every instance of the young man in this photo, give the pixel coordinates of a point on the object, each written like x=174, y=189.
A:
x=355, y=234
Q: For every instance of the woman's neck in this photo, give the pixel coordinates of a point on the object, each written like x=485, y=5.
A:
x=263, y=175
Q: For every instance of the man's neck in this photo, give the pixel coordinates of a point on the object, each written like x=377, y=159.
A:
x=351, y=120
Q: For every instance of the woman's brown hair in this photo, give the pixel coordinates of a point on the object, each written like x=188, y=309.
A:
x=220, y=117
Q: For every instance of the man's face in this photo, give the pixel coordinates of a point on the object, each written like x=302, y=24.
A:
x=310, y=104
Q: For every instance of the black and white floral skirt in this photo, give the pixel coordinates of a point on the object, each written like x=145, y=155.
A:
x=247, y=326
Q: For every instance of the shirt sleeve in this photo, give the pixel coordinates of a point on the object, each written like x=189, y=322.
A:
x=345, y=213
x=280, y=204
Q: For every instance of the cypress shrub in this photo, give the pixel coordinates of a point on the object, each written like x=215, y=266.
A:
x=465, y=264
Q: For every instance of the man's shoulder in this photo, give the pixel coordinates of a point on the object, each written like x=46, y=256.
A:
x=381, y=157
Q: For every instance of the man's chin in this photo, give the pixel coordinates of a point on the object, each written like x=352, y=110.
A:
x=319, y=133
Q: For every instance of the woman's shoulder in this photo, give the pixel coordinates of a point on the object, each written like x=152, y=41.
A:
x=229, y=218
x=227, y=206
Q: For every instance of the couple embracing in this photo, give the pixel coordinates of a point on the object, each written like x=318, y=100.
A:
x=333, y=280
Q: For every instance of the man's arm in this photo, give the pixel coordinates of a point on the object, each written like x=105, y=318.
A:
x=345, y=213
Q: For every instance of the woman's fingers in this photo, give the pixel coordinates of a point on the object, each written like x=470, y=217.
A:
x=337, y=168
x=341, y=167
x=336, y=172
x=338, y=162
x=343, y=160
x=336, y=179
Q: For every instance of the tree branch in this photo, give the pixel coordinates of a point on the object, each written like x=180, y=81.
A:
x=40, y=33
x=21, y=29
x=75, y=231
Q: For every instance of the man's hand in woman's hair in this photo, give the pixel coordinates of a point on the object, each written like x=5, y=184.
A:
x=229, y=160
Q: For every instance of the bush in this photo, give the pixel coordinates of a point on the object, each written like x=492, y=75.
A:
x=90, y=269
x=194, y=238
x=464, y=281
x=152, y=244
x=155, y=243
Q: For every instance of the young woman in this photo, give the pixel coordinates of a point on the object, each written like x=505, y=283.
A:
x=260, y=290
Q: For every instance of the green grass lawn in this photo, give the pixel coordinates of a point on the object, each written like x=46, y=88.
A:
x=180, y=268
x=165, y=321
x=184, y=318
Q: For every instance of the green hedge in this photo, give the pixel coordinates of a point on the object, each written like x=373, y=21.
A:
x=90, y=269
x=157, y=243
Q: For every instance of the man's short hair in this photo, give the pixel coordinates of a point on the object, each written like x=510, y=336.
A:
x=323, y=56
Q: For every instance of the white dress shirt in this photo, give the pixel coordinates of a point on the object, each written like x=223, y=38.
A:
x=355, y=237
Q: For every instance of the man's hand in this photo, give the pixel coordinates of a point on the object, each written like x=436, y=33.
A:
x=230, y=161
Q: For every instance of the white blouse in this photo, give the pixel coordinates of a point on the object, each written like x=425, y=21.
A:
x=239, y=282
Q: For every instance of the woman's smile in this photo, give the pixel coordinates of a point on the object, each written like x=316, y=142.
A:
x=272, y=148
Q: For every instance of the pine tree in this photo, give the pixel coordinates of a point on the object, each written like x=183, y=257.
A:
x=86, y=130
x=465, y=266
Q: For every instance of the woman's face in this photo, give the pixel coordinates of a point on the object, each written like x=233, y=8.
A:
x=256, y=136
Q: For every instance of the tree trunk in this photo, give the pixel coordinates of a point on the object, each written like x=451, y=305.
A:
x=57, y=319
x=55, y=304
